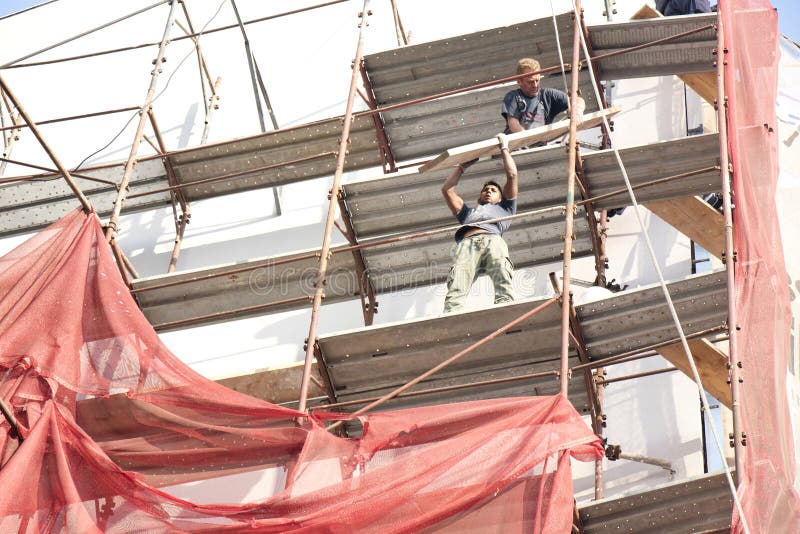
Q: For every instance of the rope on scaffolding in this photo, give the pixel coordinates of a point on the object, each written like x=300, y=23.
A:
x=662, y=282
x=558, y=47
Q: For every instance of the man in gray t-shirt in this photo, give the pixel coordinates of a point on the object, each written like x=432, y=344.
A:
x=531, y=105
x=480, y=248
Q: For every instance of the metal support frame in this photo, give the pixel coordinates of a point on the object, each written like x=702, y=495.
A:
x=389, y=164
x=258, y=82
x=570, y=326
x=369, y=305
x=54, y=173
x=131, y=162
x=566, y=294
x=16, y=63
x=211, y=107
x=637, y=375
x=402, y=37
x=74, y=117
x=327, y=383
x=443, y=389
x=347, y=121
x=175, y=195
x=176, y=249
x=598, y=244
x=595, y=408
x=646, y=351
x=730, y=255
x=211, y=101
x=120, y=262
x=87, y=206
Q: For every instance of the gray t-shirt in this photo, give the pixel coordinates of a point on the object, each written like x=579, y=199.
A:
x=532, y=112
x=471, y=217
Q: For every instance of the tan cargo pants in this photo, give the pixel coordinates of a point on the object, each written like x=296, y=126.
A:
x=475, y=255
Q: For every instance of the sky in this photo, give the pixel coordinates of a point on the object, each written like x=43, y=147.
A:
x=788, y=13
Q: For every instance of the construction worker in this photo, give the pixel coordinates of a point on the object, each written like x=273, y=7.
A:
x=480, y=248
x=531, y=105
x=682, y=7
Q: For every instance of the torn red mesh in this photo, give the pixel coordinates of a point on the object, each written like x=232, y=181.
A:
x=767, y=487
x=107, y=415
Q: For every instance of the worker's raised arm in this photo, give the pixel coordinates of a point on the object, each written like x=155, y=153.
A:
x=454, y=202
x=510, y=190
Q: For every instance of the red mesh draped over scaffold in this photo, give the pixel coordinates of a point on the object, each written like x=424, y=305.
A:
x=769, y=499
x=107, y=415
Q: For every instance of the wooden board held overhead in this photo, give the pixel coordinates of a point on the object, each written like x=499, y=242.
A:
x=489, y=147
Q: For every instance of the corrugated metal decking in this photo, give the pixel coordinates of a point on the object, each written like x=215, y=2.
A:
x=430, y=68
x=372, y=361
x=274, y=148
x=700, y=504
x=256, y=285
x=33, y=204
x=692, y=53
x=653, y=161
x=635, y=319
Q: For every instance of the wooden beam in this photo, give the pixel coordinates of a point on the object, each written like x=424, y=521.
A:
x=277, y=386
x=694, y=218
x=711, y=363
x=490, y=147
x=702, y=83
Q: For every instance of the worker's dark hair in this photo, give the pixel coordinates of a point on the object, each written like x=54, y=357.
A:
x=498, y=186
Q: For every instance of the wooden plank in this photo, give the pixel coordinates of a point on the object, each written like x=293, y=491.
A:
x=279, y=385
x=490, y=147
x=646, y=12
x=711, y=363
x=702, y=83
x=695, y=219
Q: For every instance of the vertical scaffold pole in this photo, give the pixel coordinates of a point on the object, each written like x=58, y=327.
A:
x=143, y=114
x=730, y=253
x=332, y=205
x=566, y=297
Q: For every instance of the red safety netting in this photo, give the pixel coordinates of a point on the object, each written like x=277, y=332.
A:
x=107, y=414
x=769, y=499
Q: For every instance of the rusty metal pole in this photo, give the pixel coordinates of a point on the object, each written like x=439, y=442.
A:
x=12, y=421
x=211, y=106
x=13, y=137
x=729, y=256
x=87, y=206
x=566, y=297
x=111, y=228
x=176, y=249
x=332, y=205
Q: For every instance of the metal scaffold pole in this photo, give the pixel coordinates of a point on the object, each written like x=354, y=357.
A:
x=332, y=206
x=143, y=115
x=566, y=297
x=729, y=255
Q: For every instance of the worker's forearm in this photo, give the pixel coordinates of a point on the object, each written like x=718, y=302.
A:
x=513, y=125
x=452, y=180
